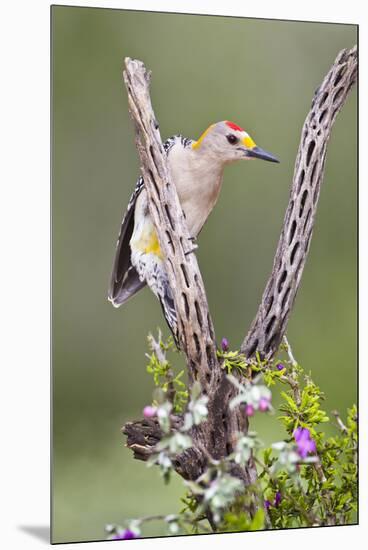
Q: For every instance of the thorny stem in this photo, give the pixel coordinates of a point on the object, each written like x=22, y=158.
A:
x=290, y=352
x=340, y=423
x=291, y=378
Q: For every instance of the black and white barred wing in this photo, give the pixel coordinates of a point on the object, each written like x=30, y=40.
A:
x=125, y=282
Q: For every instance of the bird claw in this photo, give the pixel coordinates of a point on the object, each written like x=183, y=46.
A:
x=195, y=246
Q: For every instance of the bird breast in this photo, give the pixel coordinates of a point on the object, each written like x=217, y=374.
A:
x=198, y=183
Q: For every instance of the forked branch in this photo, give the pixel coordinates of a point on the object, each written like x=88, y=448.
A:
x=215, y=436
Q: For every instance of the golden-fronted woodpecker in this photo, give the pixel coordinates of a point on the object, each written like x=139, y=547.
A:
x=196, y=169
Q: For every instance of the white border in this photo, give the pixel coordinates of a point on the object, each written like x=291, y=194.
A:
x=25, y=265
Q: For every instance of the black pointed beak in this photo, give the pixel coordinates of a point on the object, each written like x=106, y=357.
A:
x=259, y=153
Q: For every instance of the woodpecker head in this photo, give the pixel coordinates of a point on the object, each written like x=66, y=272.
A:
x=227, y=142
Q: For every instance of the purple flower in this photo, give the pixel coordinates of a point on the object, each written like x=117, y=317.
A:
x=149, y=411
x=249, y=410
x=125, y=535
x=277, y=499
x=267, y=504
x=280, y=366
x=304, y=442
x=264, y=404
x=225, y=344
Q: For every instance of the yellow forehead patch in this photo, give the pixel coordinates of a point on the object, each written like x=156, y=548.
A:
x=248, y=142
x=197, y=144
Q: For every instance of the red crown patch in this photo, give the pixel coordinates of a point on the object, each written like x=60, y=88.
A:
x=234, y=126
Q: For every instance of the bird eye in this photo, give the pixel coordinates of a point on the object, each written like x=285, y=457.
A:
x=232, y=139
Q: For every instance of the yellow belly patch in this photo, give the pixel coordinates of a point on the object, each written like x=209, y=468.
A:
x=148, y=243
x=153, y=246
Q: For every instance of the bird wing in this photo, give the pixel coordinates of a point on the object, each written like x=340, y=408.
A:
x=125, y=282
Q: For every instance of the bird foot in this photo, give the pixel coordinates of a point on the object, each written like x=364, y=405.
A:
x=194, y=247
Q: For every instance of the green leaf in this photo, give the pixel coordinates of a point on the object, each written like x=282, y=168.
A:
x=258, y=521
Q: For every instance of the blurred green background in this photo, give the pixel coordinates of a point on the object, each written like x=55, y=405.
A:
x=262, y=75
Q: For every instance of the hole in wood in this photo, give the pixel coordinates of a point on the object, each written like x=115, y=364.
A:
x=193, y=368
x=281, y=281
x=293, y=252
x=302, y=202
x=307, y=220
x=269, y=306
x=270, y=324
x=272, y=342
x=169, y=217
x=253, y=348
x=292, y=231
x=284, y=319
x=208, y=377
x=154, y=183
x=313, y=171
x=209, y=354
x=338, y=94
x=301, y=179
x=186, y=305
x=196, y=342
x=199, y=314
x=322, y=116
x=171, y=244
x=339, y=75
x=310, y=150
x=323, y=99
x=184, y=270
x=285, y=297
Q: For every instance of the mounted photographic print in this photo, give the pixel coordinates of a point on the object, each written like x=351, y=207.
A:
x=204, y=259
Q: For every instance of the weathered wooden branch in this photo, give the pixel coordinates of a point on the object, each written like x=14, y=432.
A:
x=269, y=325
x=197, y=339
x=215, y=437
